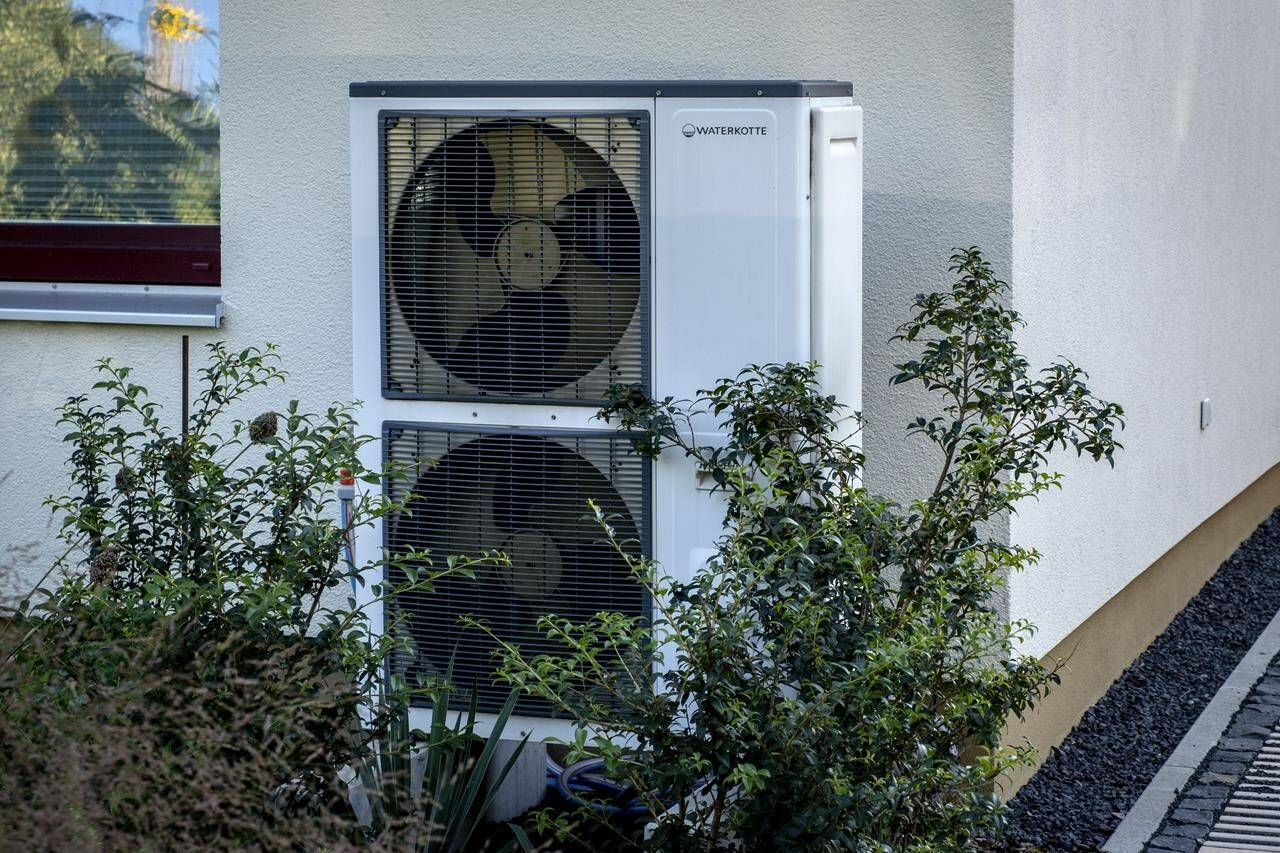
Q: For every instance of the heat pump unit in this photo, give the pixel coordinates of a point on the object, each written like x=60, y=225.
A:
x=518, y=248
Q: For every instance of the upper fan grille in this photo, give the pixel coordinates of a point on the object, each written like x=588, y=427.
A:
x=523, y=494
x=515, y=256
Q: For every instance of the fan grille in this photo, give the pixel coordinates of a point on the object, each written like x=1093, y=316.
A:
x=523, y=493
x=514, y=256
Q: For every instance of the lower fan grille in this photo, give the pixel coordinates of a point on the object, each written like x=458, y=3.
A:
x=523, y=493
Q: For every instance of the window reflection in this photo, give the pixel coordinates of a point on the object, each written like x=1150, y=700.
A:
x=110, y=111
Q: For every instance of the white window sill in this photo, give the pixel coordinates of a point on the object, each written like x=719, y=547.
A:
x=126, y=304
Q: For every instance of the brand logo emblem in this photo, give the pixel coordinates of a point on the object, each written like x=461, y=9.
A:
x=688, y=130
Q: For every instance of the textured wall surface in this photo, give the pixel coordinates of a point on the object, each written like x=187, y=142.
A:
x=935, y=79
x=1146, y=213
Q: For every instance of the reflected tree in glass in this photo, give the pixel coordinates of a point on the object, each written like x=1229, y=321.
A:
x=88, y=132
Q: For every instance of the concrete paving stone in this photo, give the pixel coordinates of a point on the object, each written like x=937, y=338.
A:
x=1210, y=792
x=1254, y=717
x=1203, y=804
x=1165, y=841
x=1235, y=767
x=1187, y=830
x=1246, y=744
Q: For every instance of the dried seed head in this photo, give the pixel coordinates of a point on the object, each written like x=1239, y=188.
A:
x=126, y=479
x=263, y=427
x=104, y=565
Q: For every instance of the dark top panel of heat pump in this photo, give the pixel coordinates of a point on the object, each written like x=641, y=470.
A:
x=603, y=89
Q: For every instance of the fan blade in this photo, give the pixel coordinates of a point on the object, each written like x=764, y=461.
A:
x=517, y=494
x=531, y=475
x=533, y=169
x=600, y=222
x=443, y=288
x=600, y=307
x=515, y=349
x=456, y=180
x=582, y=547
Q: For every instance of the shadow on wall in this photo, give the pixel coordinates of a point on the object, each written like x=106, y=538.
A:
x=903, y=235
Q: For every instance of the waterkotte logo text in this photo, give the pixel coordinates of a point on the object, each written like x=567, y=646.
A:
x=724, y=130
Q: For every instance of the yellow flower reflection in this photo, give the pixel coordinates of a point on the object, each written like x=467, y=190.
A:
x=174, y=22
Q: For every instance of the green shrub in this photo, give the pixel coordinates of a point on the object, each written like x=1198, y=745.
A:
x=199, y=673
x=836, y=677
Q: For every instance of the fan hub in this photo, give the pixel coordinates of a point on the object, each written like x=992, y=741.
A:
x=535, y=564
x=528, y=254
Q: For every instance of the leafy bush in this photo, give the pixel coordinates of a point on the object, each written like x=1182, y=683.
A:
x=195, y=678
x=836, y=676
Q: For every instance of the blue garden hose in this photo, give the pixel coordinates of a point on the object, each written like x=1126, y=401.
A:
x=580, y=778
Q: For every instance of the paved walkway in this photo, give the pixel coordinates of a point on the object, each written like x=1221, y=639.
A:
x=1221, y=774
x=1182, y=810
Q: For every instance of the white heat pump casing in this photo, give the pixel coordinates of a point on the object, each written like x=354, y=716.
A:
x=755, y=257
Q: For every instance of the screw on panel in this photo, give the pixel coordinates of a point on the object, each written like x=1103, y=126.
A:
x=759, y=91
x=657, y=93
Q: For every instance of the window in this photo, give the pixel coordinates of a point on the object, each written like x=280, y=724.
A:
x=109, y=169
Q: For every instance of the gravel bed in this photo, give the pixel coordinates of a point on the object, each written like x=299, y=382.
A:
x=1076, y=800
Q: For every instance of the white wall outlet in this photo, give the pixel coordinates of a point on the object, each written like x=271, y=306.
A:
x=1206, y=413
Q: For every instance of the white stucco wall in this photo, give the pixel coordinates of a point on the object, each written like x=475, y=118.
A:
x=935, y=79
x=1146, y=219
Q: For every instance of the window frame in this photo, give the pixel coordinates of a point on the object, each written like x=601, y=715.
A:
x=110, y=253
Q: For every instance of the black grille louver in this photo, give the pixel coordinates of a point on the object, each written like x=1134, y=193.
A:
x=514, y=256
x=523, y=493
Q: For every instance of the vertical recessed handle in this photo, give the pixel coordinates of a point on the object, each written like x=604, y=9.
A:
x=836, y=252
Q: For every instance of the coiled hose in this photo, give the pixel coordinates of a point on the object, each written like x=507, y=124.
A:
x=587, y=777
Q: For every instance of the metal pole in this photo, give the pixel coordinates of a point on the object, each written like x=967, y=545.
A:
x=186, y=385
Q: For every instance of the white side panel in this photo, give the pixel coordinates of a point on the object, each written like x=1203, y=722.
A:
x=730, y=238
x=837, y=251
x=731, y=275
x=365, y=319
